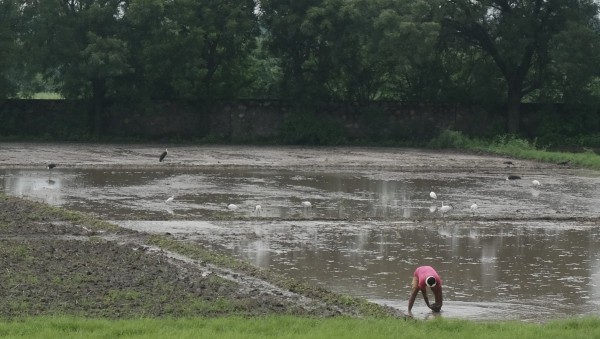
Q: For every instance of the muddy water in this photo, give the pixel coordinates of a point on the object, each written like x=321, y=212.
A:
x=368, y=230
x=532, y=271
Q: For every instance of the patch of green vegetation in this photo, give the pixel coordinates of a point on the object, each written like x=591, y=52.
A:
x=18, y=252
x=47, y=96
x=304, y=129
x=38, y=211
x=292, y=327
x=514, y=147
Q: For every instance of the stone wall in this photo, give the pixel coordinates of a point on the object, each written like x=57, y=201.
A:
x=250, y=120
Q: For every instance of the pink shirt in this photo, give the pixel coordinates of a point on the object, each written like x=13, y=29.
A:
x=422, y=272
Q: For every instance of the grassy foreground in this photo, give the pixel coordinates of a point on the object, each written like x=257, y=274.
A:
x=291, y=327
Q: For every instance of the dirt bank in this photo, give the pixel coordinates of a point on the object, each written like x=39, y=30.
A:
x=70, y=155
x=57, y=262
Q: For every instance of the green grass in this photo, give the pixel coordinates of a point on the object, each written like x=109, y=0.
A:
x=514, y=147
x=291, y=327
x=47, y=96
x=39, y=211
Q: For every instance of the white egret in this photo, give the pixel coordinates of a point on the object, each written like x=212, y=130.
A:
x=535, y=182
x=306, y=206
x=257, y=210
x=232, y=207
x=432, y=195
x=163, y=155
x=170, y=199
x=445, y=208
x=473, y=208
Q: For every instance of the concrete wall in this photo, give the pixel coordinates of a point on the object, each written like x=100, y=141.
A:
x=249, y=120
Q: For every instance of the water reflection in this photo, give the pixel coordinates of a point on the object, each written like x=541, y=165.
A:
x=535, y=271
x=506, y=270
x=206, y=193
x=41, y=185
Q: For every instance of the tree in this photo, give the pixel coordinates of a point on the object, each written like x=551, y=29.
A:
x=192, y=49
x=8, y=47
x=80, y=40
x=404, y=44
x=574, y=65
x=297, y=51
x=351, y=50
x=516, y=35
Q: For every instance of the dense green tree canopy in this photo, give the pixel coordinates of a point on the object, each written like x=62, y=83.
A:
x=445, y=51
x=517, y=35
x=192, y=49
x=80, y=40
x=9, y=46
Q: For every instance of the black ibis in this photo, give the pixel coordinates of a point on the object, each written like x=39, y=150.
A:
x=163, y=155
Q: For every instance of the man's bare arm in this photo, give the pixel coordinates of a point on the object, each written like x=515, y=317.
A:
x=424, y=292
x=411, y=300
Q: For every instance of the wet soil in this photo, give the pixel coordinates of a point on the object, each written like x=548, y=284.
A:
x=57, y=263
x=53, y=265
x=71, y=155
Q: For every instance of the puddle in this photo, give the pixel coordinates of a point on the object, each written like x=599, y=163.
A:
x=484, y=311
x=368, y=230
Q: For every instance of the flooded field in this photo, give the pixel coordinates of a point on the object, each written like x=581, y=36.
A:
x=528, y=252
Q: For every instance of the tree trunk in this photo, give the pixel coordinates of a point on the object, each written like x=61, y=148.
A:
x=99, y=93
x=513, y=104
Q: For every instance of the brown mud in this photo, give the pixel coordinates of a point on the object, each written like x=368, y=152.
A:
x=57, y=262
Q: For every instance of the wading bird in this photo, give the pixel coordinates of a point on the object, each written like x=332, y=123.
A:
x=535, y=182
x=51, y=166
x=306, y=207
x=432, y=195
x=513, y=177
x=445, y=208
x=232, y=207
x=170, y=198
x=257, y=210
x=163, y=155
x=474, y=208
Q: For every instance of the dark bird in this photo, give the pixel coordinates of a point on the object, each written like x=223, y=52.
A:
x=566, y=162
x=51, y=166
x=508, y=163
x=513, y=177
x=163, y=155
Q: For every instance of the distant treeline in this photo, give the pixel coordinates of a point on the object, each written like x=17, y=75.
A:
x=126, y=55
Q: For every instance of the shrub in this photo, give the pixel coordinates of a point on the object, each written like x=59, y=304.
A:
x=306, y=129
x=450, y=139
